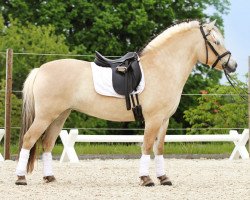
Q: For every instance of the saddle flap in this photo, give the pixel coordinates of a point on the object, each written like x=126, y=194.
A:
x=126, y=83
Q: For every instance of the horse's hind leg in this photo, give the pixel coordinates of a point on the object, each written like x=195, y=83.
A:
x=158, y=151
x=37, y=128
x=48, y=142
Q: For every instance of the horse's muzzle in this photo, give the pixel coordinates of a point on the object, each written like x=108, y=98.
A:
x=230, y=67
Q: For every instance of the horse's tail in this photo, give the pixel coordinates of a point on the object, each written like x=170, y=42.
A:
x=28, y=115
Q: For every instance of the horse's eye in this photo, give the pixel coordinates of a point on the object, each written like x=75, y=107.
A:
x=217, y=42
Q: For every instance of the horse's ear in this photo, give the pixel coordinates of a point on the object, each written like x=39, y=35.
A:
x=211, y=25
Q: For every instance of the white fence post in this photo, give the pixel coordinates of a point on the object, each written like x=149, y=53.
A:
x=2, y=132
x=68, y=140
x=240, y=145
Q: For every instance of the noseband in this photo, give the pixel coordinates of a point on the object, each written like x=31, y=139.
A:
x=219, y=57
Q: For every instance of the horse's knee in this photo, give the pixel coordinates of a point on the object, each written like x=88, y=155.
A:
x=158, y=149
x=147, y=148
x=159, y=146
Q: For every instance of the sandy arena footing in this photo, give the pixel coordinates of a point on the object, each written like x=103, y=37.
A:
x=118, y=179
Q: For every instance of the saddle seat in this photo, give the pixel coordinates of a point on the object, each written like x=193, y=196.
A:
x=105, y=62
x=126, y=76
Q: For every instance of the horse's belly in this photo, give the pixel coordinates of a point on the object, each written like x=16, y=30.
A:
x=108, y=108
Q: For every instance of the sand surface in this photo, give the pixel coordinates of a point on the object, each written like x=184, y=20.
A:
x=118, y=179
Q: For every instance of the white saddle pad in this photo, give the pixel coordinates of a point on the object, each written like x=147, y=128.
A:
x=102, y=78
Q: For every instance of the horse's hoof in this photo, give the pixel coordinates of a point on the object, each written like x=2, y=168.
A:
x=48, y=179
x=164, y=180
x=21, y=180
x=146, y=181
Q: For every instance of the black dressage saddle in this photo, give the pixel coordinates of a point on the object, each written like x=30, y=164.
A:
x=126, y=76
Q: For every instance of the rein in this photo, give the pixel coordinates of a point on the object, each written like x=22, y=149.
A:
x=219, y=57
x=233, y=83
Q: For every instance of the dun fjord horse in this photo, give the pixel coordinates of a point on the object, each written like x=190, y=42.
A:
x=53, y=90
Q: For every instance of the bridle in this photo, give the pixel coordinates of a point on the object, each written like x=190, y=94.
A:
x=207, y=43
x=219, y=57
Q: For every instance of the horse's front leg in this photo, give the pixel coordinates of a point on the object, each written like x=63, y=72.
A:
x=152, y=127
x=159, y=151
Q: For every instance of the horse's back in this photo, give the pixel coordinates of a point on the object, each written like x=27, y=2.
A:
x=63, y=74
x=68, y=84
x=66, y=63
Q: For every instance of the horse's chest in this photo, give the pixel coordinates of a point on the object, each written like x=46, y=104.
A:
x=171, y=105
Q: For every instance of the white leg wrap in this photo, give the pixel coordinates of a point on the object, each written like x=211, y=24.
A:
x=159, y=165
x=144, y=165
x=47, y=164
x=21, y=169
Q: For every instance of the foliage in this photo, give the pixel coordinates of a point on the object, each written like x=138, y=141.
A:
x=219, y=111
x=29, y=38
x=15, y=111
x=110, y=26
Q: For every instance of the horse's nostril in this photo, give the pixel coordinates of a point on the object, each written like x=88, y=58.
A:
x=236, y=65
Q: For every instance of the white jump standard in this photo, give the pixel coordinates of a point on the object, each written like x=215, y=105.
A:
x=2, y=132
x=69, y=140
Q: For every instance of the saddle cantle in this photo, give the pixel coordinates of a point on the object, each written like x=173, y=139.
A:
x=126, y=76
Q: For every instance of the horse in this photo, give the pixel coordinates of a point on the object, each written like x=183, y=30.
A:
x=52, y=91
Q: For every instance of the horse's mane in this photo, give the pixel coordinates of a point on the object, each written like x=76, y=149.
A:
x=169, y=32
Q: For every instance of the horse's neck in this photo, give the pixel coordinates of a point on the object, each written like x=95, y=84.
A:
x=174, y=58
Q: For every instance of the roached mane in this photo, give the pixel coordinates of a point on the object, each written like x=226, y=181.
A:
x=169, y=32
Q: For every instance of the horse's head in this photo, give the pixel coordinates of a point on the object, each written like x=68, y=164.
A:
x=214, y=52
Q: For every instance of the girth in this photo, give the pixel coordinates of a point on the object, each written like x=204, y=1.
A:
x=126, y=76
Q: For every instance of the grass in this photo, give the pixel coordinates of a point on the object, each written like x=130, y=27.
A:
x=170, y=148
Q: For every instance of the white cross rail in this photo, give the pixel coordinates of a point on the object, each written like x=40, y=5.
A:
x=2, y=132
x=69, y=140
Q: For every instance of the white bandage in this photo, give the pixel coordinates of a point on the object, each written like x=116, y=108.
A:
x=21, y=169
x=47, y=164
x=159, y=165
x=144, y=165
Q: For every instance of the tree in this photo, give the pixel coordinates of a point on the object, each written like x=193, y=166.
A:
x=112, y=27
x=219, y=111
x=29, y=38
